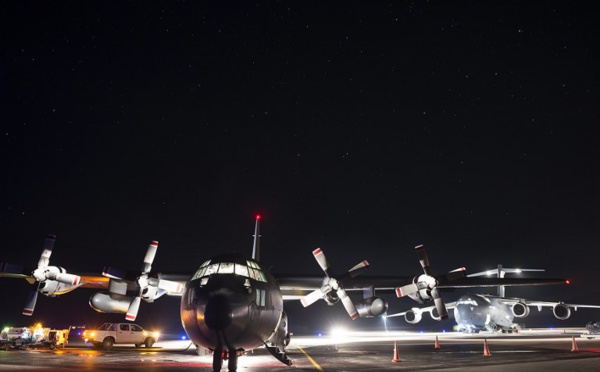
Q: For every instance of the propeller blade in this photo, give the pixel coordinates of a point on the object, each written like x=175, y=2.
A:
x=68, y=278
x=322, y=261
x=150, y=253
x=439, y=304
x=423, y=259
x=46, y=251
x=348, y=304
x=30, y=304
x=169, y=286
x=353, y=272
x=311, y=298
x=406, y=290
x=134, y=306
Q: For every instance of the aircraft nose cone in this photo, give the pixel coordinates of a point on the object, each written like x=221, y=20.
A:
x=218, y=313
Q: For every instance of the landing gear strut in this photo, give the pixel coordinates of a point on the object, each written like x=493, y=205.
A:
x=219, y=355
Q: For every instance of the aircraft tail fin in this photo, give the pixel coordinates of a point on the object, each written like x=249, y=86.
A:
x=256, y=246
x=500, y=272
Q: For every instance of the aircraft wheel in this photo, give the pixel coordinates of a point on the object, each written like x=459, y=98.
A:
x=149, y=342
x=108, y=343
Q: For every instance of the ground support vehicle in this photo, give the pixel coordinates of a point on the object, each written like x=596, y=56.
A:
x=33, y=337
x=592, y=330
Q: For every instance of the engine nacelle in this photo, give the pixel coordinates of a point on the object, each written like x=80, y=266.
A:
x=435, y=315
x=371, y=307
x=561, y=311
x=106, y=302
x=413, y=316
x=49, y=287
x=520, y=310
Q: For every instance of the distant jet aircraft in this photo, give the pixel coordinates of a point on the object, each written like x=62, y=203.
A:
x=231, y=304
x=51, y=280
x=476, y=312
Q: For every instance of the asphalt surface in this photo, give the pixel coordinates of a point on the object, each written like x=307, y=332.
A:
x=535, y=351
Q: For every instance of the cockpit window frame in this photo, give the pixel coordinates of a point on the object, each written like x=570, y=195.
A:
x=252, y=270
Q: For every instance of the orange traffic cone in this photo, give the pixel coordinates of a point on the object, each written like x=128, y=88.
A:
x=437, y=343
x=396, y=358
x=574, y=345
x=486, y=350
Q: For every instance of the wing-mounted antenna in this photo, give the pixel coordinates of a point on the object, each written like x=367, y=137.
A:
x=256, y=247
x=500, y=272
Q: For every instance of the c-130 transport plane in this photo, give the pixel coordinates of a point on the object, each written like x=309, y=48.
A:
x=231, y=305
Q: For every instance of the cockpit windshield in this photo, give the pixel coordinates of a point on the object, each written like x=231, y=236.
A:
x=250, y=270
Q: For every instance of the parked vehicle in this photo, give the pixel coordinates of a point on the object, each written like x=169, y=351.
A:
x=109, y=334
x=31, y=337
x=592, y=330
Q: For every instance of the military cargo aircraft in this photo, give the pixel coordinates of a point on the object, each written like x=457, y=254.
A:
x=476, y=312
x=231, y=304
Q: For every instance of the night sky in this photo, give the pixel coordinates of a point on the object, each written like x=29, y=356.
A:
x=363, y=128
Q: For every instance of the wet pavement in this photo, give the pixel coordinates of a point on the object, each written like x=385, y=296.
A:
x=534, y=351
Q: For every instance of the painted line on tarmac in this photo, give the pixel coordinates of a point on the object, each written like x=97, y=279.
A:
x=317, y=366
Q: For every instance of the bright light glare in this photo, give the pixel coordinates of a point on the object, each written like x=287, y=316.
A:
x=339, y=332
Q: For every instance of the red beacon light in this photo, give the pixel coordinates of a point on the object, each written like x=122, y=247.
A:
x=258, y=216
x=567, y=281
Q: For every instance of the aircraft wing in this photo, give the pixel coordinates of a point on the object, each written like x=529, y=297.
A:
x=171, y=284
x=294, y=287
x=469, y=282
x=540, y=304
x=94, y=281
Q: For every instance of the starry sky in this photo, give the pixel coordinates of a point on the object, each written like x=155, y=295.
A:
x=363, y=128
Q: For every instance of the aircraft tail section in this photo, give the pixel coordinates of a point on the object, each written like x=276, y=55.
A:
x=256, y=246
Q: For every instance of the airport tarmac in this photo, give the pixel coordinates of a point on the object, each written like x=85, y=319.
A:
x=528, y=351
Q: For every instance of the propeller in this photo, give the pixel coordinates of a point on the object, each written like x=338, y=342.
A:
x=332, y=289
x=45, y=272
x=148, y=286
x=142, y=281
x=424, y=287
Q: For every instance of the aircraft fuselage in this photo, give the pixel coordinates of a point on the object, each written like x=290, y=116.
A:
x=477, y=312
x=231, y=304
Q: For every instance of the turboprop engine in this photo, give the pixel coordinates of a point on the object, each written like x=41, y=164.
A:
x=106, y=302
x=372, y=307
